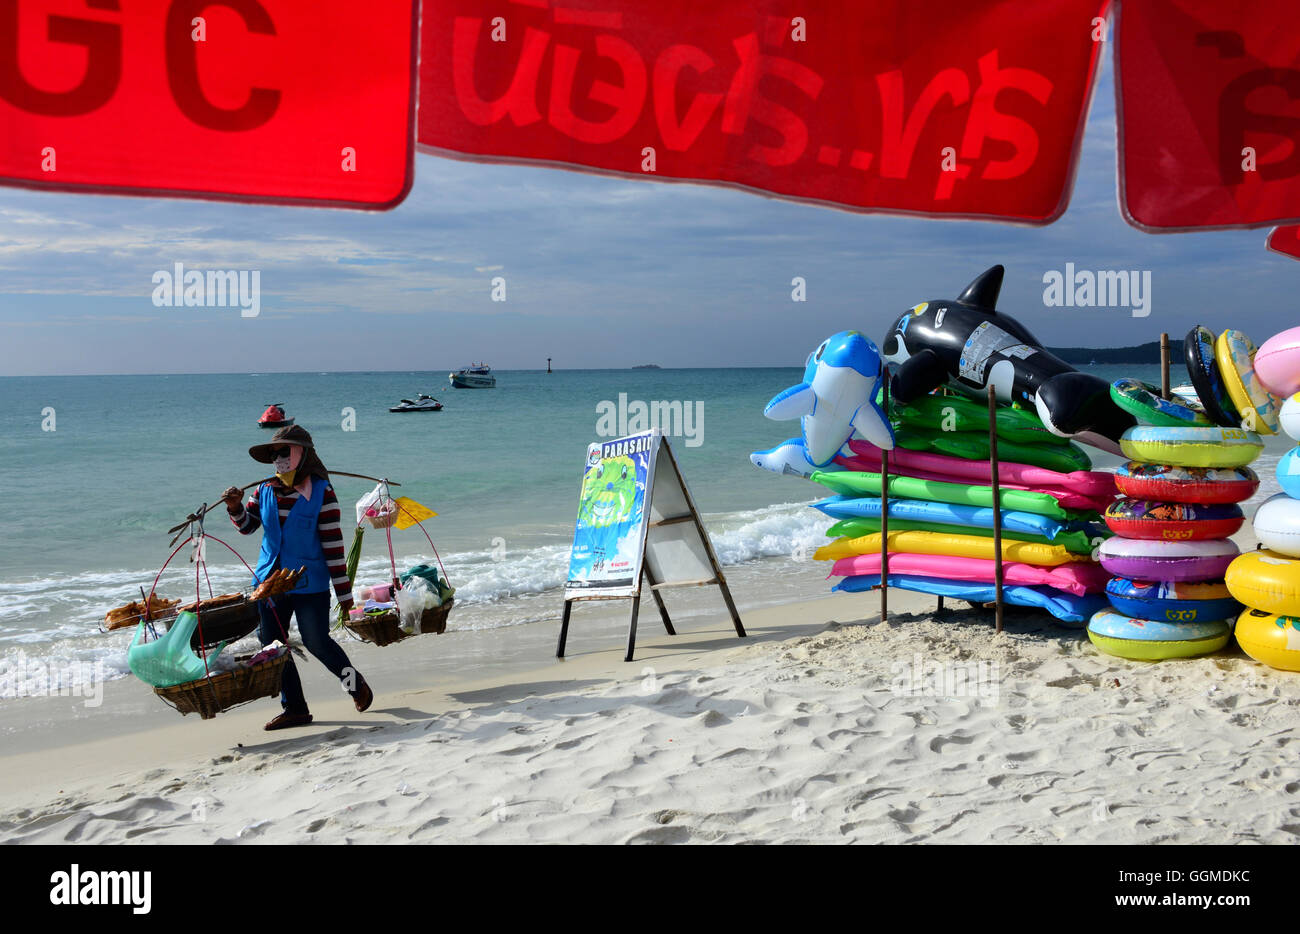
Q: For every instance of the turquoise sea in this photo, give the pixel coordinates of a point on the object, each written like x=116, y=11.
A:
x=86, y=506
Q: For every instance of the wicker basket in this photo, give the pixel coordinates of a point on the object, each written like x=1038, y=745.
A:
x=434, y=619
x=378, y=628
x=386, y=628
x=208, y=697
x=385, y=519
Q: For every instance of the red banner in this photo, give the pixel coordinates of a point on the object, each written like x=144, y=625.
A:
x=260, y=100
x=1285, y=240
x=946, y=107
x=1209, y=113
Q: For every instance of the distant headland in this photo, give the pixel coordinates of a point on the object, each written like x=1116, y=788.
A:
x=646, y=366
x=1148, y=353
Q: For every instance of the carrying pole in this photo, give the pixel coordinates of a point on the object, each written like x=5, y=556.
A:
x=884, y=512
x=1164, y=367
x=997, y=506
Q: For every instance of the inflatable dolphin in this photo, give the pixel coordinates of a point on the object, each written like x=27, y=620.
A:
x=789, y=458
x=835, y=401
x=969, y=345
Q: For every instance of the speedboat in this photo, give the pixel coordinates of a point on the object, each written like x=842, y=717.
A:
x=478, y=376
x=274, y=417
x=421, y=403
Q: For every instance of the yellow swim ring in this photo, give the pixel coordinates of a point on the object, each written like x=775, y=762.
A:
x=1269, y=638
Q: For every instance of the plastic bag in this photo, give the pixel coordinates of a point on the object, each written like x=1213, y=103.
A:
x=169, y=659
x=413, y=599
x=430, y=574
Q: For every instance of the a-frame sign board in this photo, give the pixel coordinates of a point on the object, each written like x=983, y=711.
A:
x=638, y=523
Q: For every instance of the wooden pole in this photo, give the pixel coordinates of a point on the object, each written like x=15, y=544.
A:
x=564, y=629
x=997, y=506
x=884, y=511
x=1164, y=367
x=207, y=509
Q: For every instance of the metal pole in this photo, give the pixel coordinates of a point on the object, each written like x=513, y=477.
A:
x=1164, y=367
x=997, y=505
x=884, y=512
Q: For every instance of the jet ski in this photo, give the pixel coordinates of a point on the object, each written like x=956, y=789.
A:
x=273, y=417
x=421, y=403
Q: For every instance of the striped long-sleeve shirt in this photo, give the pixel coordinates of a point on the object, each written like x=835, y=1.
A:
x=249, y=520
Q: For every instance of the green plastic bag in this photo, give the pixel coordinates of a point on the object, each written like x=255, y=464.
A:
x=169, y=659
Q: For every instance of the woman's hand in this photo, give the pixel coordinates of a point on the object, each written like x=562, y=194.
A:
x=233, y=497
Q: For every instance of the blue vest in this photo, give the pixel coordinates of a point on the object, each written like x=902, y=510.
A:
x=297, y=543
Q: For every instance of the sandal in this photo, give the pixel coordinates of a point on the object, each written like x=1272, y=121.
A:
x=287, y=720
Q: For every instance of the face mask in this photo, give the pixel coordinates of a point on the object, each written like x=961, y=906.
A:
x=286, y=467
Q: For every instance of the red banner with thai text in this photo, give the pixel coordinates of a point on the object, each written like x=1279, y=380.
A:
x=1209, y=113
x=945, y=107
x=266, y=100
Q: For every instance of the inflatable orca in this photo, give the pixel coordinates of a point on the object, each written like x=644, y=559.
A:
x=835, y=402
x=969, y=345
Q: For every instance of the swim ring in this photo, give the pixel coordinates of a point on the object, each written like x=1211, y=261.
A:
x=1198, y=349
x=1277, y=525
x=1143, y=402
x=1171, y=484
x=1144, y=640
x=1289, y=416
x=1234, y=351
x=1277, y=363
x=1267, y=581
x=1192, y=446
x=1172, y=522
x=1167, y=561
x=1288, y=473
x=1172, y=601
x=1270, y=639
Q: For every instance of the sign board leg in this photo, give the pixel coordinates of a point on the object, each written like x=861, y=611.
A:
x=659, y=601
x=564, y=629
x=631, y=630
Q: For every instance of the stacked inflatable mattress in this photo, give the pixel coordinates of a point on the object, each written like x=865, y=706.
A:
x=941, y=511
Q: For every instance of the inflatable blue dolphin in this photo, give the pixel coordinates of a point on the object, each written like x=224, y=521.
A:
x=789, y=458
x=835, y=401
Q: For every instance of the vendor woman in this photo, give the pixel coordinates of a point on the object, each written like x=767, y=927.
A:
x=299, y=515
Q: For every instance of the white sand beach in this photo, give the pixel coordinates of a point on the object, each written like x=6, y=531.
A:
x=825, y=725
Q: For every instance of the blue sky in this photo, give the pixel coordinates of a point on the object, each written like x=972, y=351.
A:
x=600, y=272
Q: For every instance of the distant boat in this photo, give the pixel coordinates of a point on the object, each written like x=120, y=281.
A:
x=646, y=366
x=478, y=376
x=274, y=417
x=421, y=403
